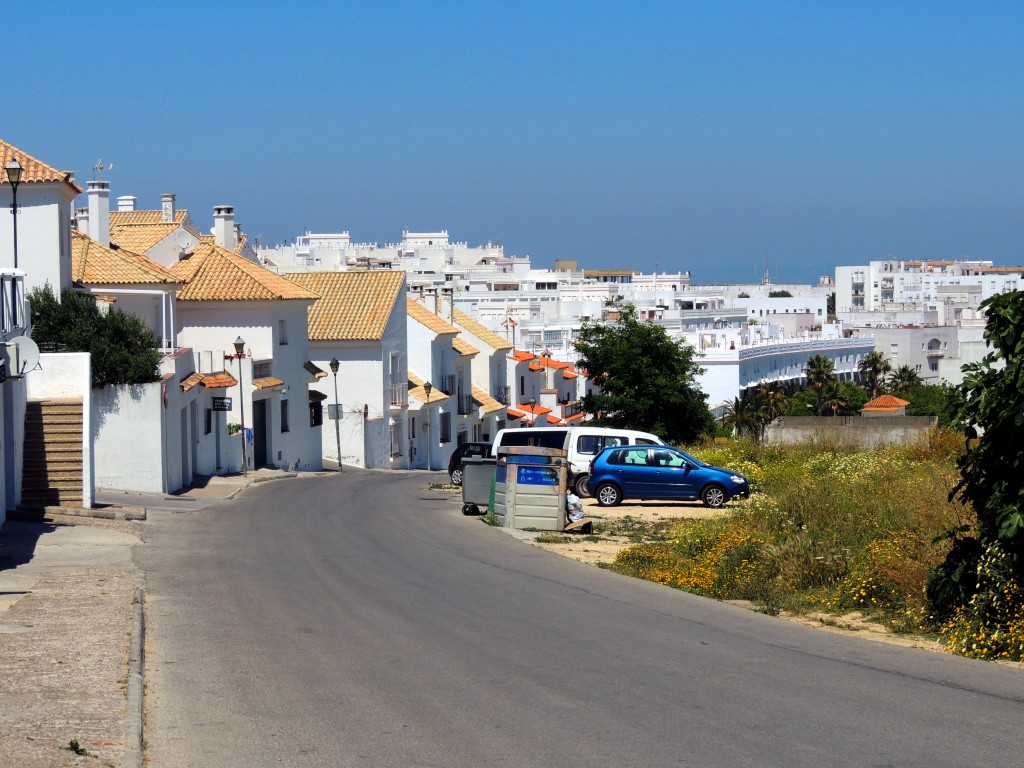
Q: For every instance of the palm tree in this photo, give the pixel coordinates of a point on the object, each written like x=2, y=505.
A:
x=873, y=368
x=820, y=372
x=770, y=403
x=742, y=416
x=903, y=379
x=833, y=398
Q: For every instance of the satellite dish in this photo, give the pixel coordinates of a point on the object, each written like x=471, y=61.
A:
x=24, y=356
x=183, y=239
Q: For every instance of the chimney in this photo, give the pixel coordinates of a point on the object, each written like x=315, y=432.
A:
x=167, y=207
x=98, y=191
x=126, y=203
x=82, y=220
x=224, y=226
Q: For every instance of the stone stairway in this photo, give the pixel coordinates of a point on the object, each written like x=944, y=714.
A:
x=53, y=454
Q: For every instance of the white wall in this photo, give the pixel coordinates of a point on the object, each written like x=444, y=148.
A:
x=44, y=233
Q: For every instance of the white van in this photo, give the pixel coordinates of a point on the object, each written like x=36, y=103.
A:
x=580, y=443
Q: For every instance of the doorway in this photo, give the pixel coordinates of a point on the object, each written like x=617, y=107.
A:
x=259, y=433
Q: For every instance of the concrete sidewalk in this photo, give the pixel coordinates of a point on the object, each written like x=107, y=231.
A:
x=67, y=586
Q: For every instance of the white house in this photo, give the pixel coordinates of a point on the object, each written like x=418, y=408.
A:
x=359, y=320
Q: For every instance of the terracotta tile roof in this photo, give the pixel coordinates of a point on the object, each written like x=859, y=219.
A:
x=574, y=417
x=536, y=410
x=94, y=264
x=428, y=319
x=488, y=403
x=351, y=305
x=515, y=413
x=521, y=355
x=190, y=381
x=535, y=366
x=141, y=238
x=33, y=170
x=568, y=373
x=485, y=334
x=135, y=218
x=464, y=348
x=314, y=369
x=213, y=273
x=887, y=401
x=416, y=390
x=548, y=362
x=221, y=380
x=268, y=382
x=553, y=419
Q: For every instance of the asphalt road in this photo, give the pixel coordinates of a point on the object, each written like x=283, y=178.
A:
x=361, y=620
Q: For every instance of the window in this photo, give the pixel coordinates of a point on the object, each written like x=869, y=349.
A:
x=446, y=428
x=284, y=416
x=316, y=413
x=208, y=421
x=282, y=332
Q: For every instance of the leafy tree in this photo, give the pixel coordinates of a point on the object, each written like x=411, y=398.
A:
x=873, y=368
x=820, y=372
x=742, y=416
x=830, y=305
x=779, y=295
x=991, y=470
x=833, y=398
x=124, y=350
x=647, y=380
x=902, y=380
x=941, y=400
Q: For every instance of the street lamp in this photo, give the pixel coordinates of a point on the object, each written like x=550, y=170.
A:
x=426, y=388
x=533, y=412
x=239, y=356
x=337, y=412
x=13, y=169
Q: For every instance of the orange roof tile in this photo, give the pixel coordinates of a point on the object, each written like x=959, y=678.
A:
x=553, y=419
x=887, y=401
x=190, y=381
x=130, y=218
x=574, y=417
x=548, y=362
x=268, y=382
x=221, y=380
x=488, y=403
x=485, y=334
x=568, y=373
x=536, y=410
x=94, y=264
x=464, y=348
x=428, y=319
x=351, y=305
x=515, y=413
x=417, y=390
x=213, y=273
x=521, y=355
x=141, y=238
x=33, y=170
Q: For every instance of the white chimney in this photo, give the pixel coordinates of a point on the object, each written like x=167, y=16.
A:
x=167, y=207
x=98, y=192
x=82, y=220
x=224, y=226
x=126, y=203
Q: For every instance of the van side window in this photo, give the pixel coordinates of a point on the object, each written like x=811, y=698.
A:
x=614, y=440
x=589, y=445
x=645, y=441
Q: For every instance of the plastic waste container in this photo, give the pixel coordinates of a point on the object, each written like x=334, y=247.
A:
x=477, y=478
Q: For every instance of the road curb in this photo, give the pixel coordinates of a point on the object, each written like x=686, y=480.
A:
x=36, y=514
x=136, y=682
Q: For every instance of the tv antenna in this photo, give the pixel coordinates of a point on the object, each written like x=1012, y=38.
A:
x=99, y=167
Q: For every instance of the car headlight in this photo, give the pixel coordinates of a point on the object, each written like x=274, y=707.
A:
x=737, y=478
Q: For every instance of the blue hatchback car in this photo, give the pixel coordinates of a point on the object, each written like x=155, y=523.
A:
x=660, y=472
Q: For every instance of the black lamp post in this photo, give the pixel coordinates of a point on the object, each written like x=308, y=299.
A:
x=533, y=412
x=239, y=356
x=337, y=412
x=426, y=388
x=13, y=169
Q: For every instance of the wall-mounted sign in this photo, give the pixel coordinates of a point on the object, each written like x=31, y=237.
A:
x=221, y=403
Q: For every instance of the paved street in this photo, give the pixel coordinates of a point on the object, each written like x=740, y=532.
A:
x=361, y=620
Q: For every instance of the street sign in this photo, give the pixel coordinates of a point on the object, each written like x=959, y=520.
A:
x=221, y=403
x=334, y=412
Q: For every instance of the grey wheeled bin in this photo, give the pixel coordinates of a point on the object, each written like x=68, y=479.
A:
x=477, y=477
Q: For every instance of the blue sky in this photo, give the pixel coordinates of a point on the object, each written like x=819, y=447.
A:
x=709, y=137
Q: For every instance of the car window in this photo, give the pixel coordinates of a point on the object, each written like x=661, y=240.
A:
x=588, y=445
x=666, y=458
x=645, y=441
x=634, y=456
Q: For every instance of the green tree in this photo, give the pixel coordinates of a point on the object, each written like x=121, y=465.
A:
x=779, y=295
x=873, y=368
x=991, y=470
x=742, y=416
x=646, y=379
x=123, y=349
x=820, y=372
x=941, y=400
x=902, y=380
x=830, y=305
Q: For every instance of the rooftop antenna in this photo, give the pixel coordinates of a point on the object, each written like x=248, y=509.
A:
x=99, y=167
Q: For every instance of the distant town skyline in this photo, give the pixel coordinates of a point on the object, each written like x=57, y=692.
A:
x=713, y=138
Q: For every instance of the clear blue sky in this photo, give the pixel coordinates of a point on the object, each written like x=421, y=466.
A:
x=696, y=136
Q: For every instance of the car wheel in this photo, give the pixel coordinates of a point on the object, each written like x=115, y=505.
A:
x=608, y=495
x=457, y=476
x=714, y=496
x=580, y=486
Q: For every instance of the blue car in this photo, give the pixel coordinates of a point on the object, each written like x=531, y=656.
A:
x=661, y=472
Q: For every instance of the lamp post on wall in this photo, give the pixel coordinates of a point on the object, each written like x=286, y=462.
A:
x=533, y=411
x=426, y=388
x=13, y=169
x=337, y=411
x=239, y=356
